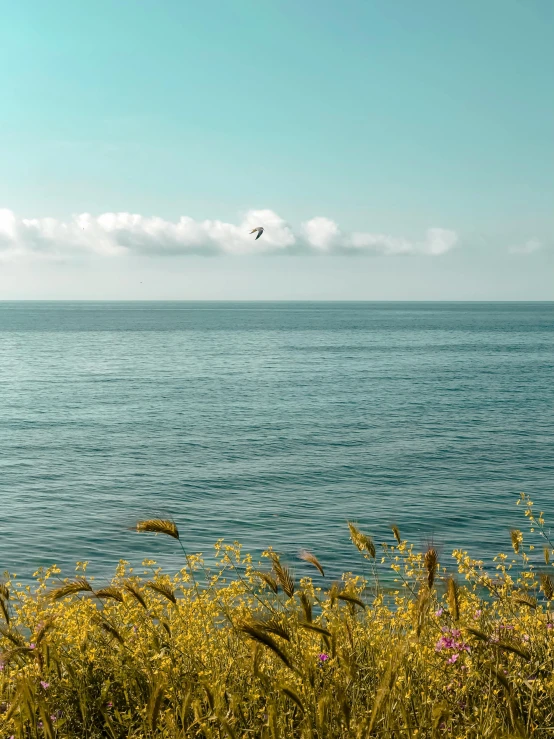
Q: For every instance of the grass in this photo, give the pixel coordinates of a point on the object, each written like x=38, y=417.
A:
x=249, y=651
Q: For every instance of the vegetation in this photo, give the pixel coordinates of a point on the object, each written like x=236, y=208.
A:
x=247, y=651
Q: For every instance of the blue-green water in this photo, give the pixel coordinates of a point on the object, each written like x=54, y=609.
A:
x=269, y=423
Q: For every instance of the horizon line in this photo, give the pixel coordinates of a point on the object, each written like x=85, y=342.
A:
x=266, y=301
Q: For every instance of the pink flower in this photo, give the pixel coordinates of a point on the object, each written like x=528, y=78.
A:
x=53, y=718
x=453, y=658
x=477, y=614
x=32, y=646
x=109, y=704
x=550, y=626
x=445, y=642
x=439, y=613
x=44, y=684
x=323, y=657
x=452, y=642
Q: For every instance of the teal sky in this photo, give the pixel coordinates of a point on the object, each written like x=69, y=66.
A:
x=380, y=119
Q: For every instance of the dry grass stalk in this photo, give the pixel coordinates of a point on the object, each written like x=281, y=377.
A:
x=109, y=629
x=109, y=592
x=312, y=559
x=43, y=630
x=333, y=592
x=284, y=576
x=158, y=526
x=13, y=636
x=293, y=695
x=262, y=637
x=351, y=599
x=162, y=589
x=421, y=609
x=431, y=562
x=396, y=532
x=523, y=599
x=80, y=585
x=47, y=725
x=154, y=705
x=516, y=537
x=4, y=591
x=508, y=647
x=546, y=555
x=514, y=713
x=5, y=611
x=133, y=590
x=269, y=580
x=480, y=635
x=274, y=627
x=314, y=627
x=361, y=541
x=306, y=607
x=383, y=692
x=453, y=599
x=547, y=587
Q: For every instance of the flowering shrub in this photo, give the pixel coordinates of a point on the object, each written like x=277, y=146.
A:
x=249, y=651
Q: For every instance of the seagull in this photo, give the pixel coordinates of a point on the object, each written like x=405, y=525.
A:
x=259, y=229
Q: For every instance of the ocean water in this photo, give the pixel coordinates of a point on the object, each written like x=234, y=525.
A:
x=269, y=423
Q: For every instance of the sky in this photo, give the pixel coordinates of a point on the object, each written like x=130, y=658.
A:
x=391, y=150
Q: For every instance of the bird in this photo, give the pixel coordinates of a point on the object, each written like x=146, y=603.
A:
x=259, y=229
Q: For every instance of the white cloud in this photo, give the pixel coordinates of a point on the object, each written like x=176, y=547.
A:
x=321, y=233
x=528, y=248
x=113, y=234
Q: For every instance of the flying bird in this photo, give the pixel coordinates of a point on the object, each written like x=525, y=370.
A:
x=259, y=229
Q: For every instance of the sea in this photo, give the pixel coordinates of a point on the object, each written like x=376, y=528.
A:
x=271, y=424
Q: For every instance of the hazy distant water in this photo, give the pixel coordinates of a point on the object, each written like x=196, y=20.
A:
x=269, y=423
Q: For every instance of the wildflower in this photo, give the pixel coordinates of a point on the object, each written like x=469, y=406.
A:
x=477, y=614
x=439, y=613
x=109, y=704
x=550, y=626
x=32, y=645
x=323, y=657
x=44, y=684
x=445, y=642
x=53, y=718
x=453, y=658
x=451, y=640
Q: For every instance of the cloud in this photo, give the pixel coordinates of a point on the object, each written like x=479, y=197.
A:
x=528, y=248
x=115, y=234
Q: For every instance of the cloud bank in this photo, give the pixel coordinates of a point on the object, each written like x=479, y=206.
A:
x=113, y=234
x=529, y=247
